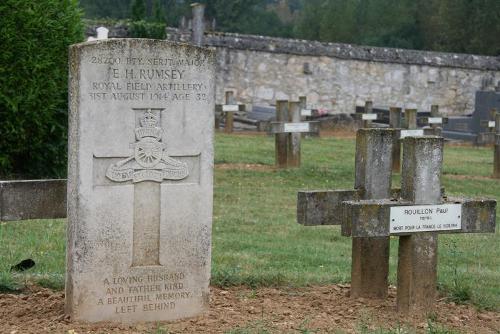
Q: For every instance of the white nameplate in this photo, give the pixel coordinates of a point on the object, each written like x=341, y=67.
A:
x=296, y=127
x=306, y=112
x=435, y=120
x=491, y=124
x=369, y=117
x=425, y=218
x=230, y=108
x=412, y=133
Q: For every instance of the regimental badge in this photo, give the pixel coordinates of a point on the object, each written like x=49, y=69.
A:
x=149, y=162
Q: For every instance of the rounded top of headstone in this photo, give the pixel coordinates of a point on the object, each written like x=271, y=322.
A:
x=147, y=44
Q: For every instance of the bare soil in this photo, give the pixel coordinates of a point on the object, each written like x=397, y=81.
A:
x=469, y=177
x=243, y=166
x=321, y=309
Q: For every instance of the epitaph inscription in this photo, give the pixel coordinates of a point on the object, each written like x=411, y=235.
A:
x=140, y=180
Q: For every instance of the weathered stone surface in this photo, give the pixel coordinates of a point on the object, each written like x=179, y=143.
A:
x=338, y=76
x=374, y=162
x=373, y=170
x=322, y=207
x=32, y=199
x=140, y=180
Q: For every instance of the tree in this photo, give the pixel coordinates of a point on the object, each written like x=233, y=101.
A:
x=158, y=12
x=138, y=10
x=33, y=85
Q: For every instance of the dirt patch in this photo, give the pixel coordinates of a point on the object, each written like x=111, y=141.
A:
x=322, y=309
x=468, y=177
x=243, y=166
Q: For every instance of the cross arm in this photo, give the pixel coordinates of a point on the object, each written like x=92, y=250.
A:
x=301, y=127
x=372, y=218
x=435, y=120
x=229, y=107
x=320, y=207
x=323, y=207
x=366, y=116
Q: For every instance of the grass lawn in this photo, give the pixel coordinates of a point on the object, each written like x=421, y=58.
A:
x=256, y=240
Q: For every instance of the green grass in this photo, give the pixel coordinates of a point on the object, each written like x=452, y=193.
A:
x=257, y=242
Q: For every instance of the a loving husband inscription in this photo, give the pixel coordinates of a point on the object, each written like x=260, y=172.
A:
x=140, y=180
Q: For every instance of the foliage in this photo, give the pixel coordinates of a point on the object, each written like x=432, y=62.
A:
x=144, y=29
x=138, y=10
x=443, y=25
x=469, y=26
x=33, y=85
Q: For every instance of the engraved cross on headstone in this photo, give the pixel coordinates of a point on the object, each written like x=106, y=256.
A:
x=146, y=168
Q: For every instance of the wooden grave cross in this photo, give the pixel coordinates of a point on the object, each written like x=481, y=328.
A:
x=418, y=216
x=367, y=117
x=373, y=171
x=488, y=137
x=288, y=130
x=226, y=111
x=435, y=121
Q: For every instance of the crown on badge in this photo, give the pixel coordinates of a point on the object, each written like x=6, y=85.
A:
x=149, y=127
x=149, y=120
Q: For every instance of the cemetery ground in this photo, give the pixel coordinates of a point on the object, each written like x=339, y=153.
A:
x=269, y=274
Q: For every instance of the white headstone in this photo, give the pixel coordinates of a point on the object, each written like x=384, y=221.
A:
x=102, y=33
x=140, y=180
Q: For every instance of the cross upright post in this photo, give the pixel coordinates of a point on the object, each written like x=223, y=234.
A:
x=293, y=155
x=373, y=166
x=228, y=128
x=303, y=106
x=395, y=123
x=496, y=159
x=367, y=121
x=411, y=118
x=281, y=139
x=420, y=184
x=417, y=217
x=370, y=256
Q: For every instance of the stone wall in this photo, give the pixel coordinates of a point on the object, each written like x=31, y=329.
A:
x=338, y=77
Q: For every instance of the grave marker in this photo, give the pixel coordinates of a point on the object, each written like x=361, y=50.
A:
x=139, y=181
x=227, y=112
x=488, y=137
x=288, y=130
x=420, y=197
x=435, y=121
x=370, y=264
x=367, y=117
